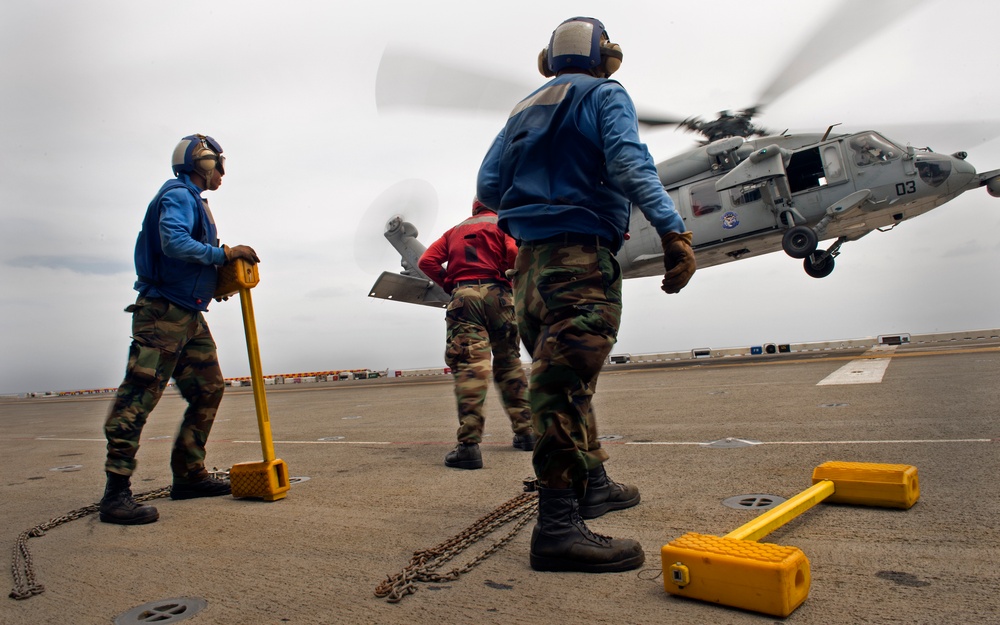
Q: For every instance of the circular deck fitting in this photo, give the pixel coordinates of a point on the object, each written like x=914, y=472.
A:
x=730, y=443
x=163, y=611
x=753, y=502
x=296, y=480
x=67, y=468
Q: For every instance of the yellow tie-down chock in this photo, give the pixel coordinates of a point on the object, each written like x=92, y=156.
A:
x=737, y=571
x=267, y=480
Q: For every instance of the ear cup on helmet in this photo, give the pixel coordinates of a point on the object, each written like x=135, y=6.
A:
x=206, y=162
x=611, y=58
x=543, y=63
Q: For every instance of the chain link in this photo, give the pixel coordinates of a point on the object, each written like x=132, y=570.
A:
x=22, y=567
x=424, y=564
x=422, y=567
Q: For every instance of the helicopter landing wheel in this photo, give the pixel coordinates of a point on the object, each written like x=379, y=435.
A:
x=800, y=242
x=820, y=269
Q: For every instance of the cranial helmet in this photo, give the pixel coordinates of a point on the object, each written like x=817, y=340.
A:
x=580, y=42
x=478, y=207
x=198, y=154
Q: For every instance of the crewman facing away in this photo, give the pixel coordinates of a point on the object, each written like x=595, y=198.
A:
x=563, y=174
x=469, y=262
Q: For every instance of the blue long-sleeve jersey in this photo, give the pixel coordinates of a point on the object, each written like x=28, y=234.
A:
x=177, y=250
x=570, y=160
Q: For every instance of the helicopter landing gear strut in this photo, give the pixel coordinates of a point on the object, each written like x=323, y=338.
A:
x=820, y=264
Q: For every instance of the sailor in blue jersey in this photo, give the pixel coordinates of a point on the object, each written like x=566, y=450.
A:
x=177, y=255
x=563, y=174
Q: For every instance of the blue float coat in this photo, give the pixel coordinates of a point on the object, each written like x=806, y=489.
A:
x=570, y=160
x=177, y=250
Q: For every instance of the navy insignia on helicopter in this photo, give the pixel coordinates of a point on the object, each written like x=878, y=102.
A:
x=730, y=220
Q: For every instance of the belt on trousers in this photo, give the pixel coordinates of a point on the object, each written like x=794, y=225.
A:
x=571, y=238
x=481, y=282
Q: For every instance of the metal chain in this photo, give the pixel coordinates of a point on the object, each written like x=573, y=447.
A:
x=22, y=567
x=423, y=564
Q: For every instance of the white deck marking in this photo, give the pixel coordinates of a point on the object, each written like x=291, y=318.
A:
x=849, y=442
x=862, y=371
x=911, y=441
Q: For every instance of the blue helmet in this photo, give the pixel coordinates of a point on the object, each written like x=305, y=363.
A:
x=198, y=154
x=580, y=42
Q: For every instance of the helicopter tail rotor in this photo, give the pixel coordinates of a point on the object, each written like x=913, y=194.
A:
x=403, y=205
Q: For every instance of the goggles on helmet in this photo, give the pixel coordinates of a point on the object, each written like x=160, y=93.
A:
x=212, y=145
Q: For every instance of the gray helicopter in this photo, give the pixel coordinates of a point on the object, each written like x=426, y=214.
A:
x=742, y=191
x=745, y=197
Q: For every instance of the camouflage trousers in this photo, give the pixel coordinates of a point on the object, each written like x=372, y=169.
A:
x=568, y=311
x=480, y=320
x=167, y=341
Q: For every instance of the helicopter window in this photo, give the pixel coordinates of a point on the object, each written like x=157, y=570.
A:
x=833, y=163
x=934, y=172
x=704, y=200
x=869, y=148
x=805, y=170
x=746, y=194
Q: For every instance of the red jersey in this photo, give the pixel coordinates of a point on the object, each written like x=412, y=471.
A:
x=475, y=249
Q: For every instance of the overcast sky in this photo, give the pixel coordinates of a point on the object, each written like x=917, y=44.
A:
x=96, y=94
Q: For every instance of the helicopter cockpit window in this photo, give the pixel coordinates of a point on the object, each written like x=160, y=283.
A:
x=869, y=149
x=704, y=199
x=934, y=173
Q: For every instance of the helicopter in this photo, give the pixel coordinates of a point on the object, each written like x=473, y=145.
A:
x=744, y=191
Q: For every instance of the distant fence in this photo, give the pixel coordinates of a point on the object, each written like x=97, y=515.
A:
x=700, y=353
x=817, y=346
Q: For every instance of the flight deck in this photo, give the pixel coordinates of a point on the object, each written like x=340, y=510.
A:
x=710, y=442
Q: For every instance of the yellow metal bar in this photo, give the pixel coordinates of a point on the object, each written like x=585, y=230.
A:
x=783, y=513
x=256, y=376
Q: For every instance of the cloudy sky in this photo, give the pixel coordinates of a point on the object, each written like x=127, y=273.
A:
x=96, y=95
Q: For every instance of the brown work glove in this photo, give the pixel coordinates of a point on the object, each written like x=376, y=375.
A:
x=241, y=251
x=678, y=261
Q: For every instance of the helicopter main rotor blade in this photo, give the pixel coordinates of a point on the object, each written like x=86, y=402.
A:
x=849, y=25
x=658, y=121
x=410, y=79
x=407, y=78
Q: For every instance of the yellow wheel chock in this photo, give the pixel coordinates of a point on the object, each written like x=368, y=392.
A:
x=267, y=480
x=737, y=571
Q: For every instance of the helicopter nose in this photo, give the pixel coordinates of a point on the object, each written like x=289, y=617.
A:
x=962, y=172
x=937, y=170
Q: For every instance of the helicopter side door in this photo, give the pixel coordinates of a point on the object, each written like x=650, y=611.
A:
x=716, y=216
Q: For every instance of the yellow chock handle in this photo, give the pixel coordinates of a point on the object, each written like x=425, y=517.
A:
x=269, y=479
x=256, y=377
x=781, y=514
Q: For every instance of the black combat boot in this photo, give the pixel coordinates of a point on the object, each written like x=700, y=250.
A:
x=561, y=541
x=118, y=506
x=464, y=456
x=604, y=494
x=207, y=487
x=525, y=440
